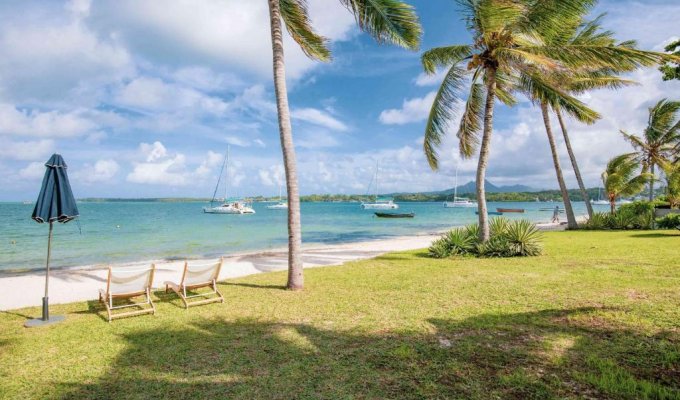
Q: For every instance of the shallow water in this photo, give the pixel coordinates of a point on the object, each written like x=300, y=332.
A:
x=131, y=231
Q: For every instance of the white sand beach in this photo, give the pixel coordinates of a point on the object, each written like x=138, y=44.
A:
x=18, y=290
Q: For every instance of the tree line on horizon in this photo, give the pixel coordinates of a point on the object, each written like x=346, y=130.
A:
x=544, y=50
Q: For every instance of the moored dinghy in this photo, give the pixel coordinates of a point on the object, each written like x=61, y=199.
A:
x=395, y=215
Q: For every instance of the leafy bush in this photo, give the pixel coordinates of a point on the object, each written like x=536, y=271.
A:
x=670, y=221
x=636, y=215
x=507, y=239
x=599, y=221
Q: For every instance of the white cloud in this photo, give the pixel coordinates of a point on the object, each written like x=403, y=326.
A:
x=156, y=95
x=46, y=124
x=25, y=150
x=272, y=176
x=154, y=151
x=162, y=167
x=49, y=55
x=412, y=110
x=33, y=171
x=173, y=32
x=318, y=117
x=424, y=79
x=101, y=171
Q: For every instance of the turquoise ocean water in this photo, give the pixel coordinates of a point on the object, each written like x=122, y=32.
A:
x=118, y=232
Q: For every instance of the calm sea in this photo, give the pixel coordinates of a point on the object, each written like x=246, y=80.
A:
x=133, y=231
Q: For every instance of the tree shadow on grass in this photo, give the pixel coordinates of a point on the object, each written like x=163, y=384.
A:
x=545, y=354
x=253, y=285
x=669, y=235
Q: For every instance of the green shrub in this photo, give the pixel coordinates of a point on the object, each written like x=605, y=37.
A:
x=670, y=221
x=636, y=215
x=507, y=239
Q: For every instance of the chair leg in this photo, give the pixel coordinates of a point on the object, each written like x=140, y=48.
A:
x=148, y=299
x=217, y=292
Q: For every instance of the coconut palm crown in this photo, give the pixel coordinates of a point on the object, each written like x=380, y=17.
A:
x=388, y=21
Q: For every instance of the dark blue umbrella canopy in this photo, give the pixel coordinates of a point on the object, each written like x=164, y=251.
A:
x=56, y=201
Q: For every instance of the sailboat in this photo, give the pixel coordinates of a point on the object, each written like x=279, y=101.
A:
x=280, y=205
x=459, y=202
x=599, y=201
x=227, y=207
x=378, y=204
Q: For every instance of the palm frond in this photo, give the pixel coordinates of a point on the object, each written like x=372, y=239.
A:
x=390, y=21
x=556, y=20
x=443, y=110
x=542, y=91
x=471, y=120
x=444, y=57
x=296, y=18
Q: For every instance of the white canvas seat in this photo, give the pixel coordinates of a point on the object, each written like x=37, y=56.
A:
x=197, y=276
x=126, y=283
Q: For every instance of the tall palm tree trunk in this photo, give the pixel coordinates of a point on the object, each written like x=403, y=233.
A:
x=295, y=276
x=651, y=182
x=571, y=220
x=484, y=157
x=577, y=172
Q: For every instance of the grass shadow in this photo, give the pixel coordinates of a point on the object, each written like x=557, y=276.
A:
x=253, y=285
x=670, y=234
x=544, y=354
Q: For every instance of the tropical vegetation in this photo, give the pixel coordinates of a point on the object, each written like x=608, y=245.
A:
x=391, y=21
x=636, y=215
x=671, y=69
x=518, y=238
x=670, y=221
x=622, y=177
x=658, y=145
x=590, y=317
x=540, y=48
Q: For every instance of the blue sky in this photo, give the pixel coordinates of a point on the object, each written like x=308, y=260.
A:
x=143, y=97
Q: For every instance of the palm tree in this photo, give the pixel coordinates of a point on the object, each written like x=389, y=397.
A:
x=508, y=45
x=578, y=75
x=386, y=20
x=672, y=172
x=621, y=178
x=660, y=138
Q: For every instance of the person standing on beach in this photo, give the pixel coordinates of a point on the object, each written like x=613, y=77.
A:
x=556, y=215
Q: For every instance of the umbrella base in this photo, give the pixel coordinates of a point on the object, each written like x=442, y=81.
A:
x=36, y=322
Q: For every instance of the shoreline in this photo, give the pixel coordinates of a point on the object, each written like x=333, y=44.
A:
x=71, y=284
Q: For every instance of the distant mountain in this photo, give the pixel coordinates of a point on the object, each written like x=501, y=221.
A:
x=471, y=187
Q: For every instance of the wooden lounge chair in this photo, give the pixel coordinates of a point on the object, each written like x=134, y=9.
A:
x=194, y=277
x=124, y=283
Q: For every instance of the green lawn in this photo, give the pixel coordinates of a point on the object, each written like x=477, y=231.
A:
x=597, y=316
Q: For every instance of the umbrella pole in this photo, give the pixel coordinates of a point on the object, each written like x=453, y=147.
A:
x=45, y=306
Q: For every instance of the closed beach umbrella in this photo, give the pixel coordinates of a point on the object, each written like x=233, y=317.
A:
x=55, y=204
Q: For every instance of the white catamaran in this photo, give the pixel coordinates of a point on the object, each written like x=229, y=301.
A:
x=459, y=202
x=378, y=204
x=599, y=201
x=227, y=207
x=280, y=205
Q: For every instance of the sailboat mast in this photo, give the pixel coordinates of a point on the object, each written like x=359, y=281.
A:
x=455, y=187
x=226, y=177
x=377, y=168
